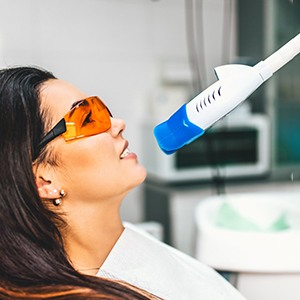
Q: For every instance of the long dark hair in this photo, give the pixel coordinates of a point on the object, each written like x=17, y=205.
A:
x=32, y=255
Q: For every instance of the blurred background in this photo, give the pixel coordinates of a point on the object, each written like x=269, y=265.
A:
x=145, y=58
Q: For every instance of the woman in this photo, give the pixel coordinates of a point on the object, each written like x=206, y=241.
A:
x=34, y=263
x=65, y=169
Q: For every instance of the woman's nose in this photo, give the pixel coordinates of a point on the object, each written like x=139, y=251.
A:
x=117, y=126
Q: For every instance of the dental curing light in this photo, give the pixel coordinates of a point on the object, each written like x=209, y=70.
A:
x=235, y=83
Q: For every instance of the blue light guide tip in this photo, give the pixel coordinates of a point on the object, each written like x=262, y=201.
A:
x=176, y=132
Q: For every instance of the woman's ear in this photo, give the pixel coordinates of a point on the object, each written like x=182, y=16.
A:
x=45, y=186
x=46, y=189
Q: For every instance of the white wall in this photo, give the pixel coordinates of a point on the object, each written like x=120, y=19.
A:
x=112, y=48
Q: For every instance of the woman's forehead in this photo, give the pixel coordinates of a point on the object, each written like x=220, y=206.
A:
x=59, y=95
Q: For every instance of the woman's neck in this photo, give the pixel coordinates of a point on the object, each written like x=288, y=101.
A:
x=91, y=234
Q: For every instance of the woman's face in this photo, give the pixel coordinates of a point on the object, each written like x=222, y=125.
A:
x=90, y=168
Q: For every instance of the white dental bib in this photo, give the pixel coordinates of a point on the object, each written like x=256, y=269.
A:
x=149, y=264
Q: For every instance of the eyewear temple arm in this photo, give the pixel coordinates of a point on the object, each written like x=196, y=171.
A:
x=52, y=134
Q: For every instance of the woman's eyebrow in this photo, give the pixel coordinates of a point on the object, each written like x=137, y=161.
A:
x=75, y=103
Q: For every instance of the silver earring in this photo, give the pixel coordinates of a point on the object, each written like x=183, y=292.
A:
x=62, y=193
x=57, y=202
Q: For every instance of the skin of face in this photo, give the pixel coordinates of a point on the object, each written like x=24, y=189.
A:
x=90, y=169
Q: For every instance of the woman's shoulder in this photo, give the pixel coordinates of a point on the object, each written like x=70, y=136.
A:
x=144, y=261
x=138, y=234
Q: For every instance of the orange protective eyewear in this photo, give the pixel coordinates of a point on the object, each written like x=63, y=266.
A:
x=88, y=117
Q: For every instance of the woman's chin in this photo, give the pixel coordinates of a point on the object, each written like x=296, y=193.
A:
x=140, y=175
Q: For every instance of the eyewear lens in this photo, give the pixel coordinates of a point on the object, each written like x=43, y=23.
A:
x=88, y=117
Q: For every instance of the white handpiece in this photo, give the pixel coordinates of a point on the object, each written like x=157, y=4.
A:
x=235, y=83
